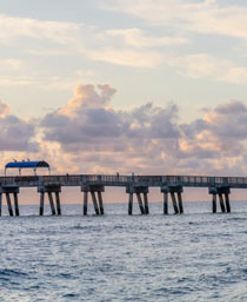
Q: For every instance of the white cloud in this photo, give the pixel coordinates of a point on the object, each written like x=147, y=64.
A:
x=12, y=28
x=208, y=17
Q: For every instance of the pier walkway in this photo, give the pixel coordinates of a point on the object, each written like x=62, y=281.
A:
x=135, y=185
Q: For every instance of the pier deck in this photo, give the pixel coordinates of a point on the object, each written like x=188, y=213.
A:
x=170, y=185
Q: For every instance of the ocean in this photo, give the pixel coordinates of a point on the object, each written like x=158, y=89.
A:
x=197, y=256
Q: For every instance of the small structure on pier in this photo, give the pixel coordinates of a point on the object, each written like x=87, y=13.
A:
x=27, y=165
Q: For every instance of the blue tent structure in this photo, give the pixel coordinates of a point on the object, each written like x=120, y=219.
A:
x=27, y=165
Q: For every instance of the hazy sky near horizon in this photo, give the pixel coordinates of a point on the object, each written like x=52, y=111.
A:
x=151, y=86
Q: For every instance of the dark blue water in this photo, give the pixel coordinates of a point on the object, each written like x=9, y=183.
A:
x=194, y=257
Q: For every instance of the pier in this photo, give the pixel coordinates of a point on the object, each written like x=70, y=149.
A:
x=137, y=188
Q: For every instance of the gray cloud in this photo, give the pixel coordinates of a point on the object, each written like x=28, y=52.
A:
x=16, y=134
x=147, y=139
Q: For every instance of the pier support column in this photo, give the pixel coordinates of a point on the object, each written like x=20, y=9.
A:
x=139, y=199
x=10, y=209
x=165, y=203
x=85, y=203
x=9, y=190
x=222, y=206
x=146, y=207
x=1, y=202
x=101, y=206
x=95, y=203
x=228, y=206
x=130, y=205
x=174, y=202
x=139, y=191
x=96, y=199
x=53, y=211
x=214, y=203
x=180, y=203
x=176, y=198
x=42, y=204
x=58, y=203
x=50, y=190
x=223, y=192
x=16, y=205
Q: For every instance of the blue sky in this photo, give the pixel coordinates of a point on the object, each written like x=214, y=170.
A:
x=171, y=76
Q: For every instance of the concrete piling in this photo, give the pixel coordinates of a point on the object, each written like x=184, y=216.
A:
x=143, y=203
x=53, y=211
x=222, y=206
x=174, y=190
x=180, y=203
x=146, y=207
x=101, y=206
x=165, y=203
x=50, y=189
x=130, y=205
x=41, y=204
x=85, y=203
x=1, y=199
x=8, y=199
x=139, y=199
x=95, y=203
x=97, y=200
x=224, y=200
x=58, y=204
x=228, y=206
x=16, y=204
x=214, y=203
x=174, y=202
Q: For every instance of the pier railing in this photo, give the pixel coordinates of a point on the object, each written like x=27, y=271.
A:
x=124, y=180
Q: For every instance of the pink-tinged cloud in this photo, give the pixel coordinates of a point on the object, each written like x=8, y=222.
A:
x=146, y=139
x=16, y=134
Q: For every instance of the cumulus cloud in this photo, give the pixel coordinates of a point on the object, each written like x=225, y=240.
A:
x=16, y=134
x=147, y=139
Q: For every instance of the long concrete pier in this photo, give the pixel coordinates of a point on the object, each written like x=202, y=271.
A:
x=93, y=187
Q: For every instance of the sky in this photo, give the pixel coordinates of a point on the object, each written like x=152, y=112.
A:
x=107, y=86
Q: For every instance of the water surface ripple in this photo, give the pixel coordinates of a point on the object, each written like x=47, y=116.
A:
x=194, y=257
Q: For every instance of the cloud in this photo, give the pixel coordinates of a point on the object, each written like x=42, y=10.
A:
x=203, y=65
x=15, y=133
x=12, y=28
x=147, y=139
x=207, y=17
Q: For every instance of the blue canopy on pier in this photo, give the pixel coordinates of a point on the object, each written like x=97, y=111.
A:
x=27, y=165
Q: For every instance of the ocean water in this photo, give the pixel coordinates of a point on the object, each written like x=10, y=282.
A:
x=194, y=257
